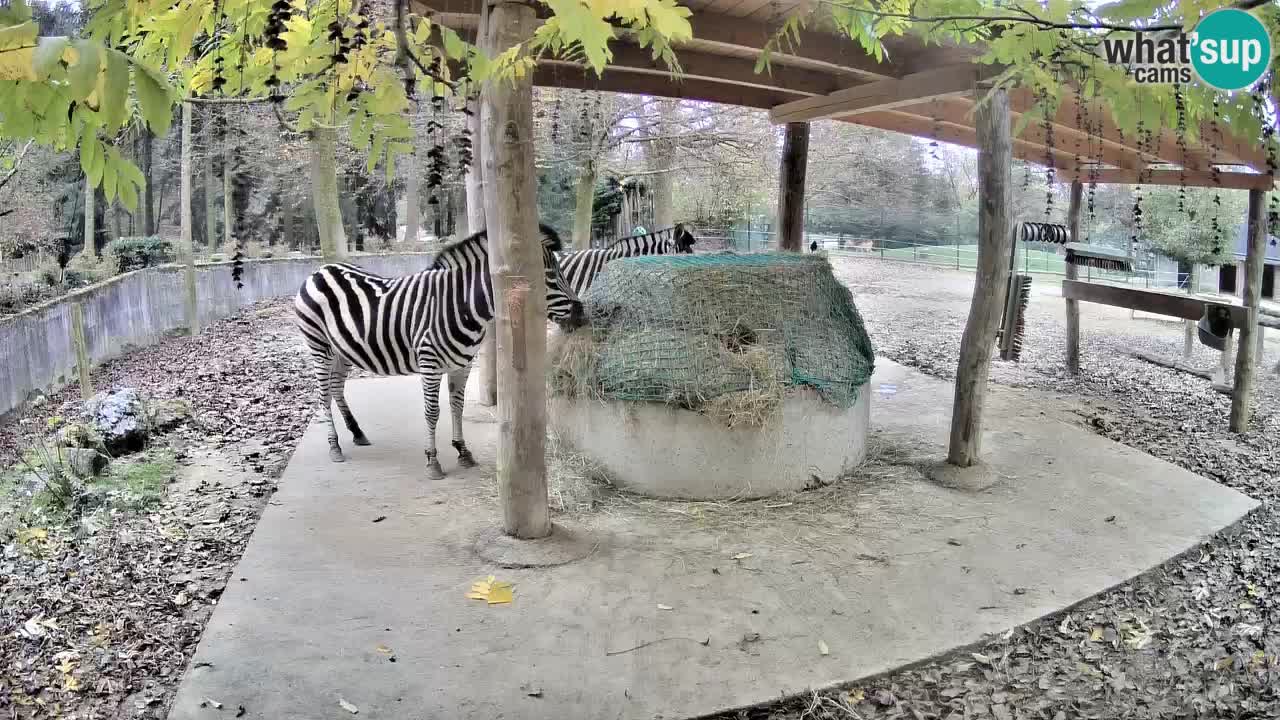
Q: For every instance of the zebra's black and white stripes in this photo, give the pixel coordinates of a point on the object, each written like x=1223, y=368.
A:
x=581, y=267
x=430, y=322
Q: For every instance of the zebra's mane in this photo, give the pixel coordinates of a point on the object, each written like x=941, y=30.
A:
x=633, y=238
x=446, y=257
x=449, y=256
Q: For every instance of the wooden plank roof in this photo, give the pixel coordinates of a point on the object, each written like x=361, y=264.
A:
x=927, y=91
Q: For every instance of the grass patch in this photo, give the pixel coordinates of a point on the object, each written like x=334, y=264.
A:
x=139, y=482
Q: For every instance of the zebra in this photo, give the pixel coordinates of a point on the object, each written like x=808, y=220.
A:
x=429, y=323
x=581, y=267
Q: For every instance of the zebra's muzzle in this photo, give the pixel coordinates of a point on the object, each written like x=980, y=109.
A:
x=576, y=318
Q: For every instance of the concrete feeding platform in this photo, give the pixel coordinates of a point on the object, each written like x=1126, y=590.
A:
x=809, y=443
x=884, y=569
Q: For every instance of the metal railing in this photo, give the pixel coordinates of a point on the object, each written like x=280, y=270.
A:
x=959, y=256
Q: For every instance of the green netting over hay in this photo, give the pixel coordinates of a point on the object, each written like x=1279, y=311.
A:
x=724, y=334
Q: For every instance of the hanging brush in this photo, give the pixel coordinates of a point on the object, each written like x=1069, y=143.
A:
x=1081, y=255
x=1015, y=314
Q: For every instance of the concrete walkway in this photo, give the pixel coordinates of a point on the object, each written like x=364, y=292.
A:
x=660, y=620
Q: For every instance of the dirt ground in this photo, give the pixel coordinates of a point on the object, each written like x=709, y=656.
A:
x=1196, y=638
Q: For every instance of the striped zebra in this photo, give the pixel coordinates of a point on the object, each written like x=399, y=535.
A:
x=581, y=267
x=429, y=323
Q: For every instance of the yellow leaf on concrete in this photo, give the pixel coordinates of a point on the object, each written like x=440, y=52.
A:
x=383, y=649
x=742, y=556
x=501, y=594
x=665, y=607
x=823, y=649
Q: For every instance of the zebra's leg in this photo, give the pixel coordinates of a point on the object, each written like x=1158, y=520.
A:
x=457, y=397
x=431, y=407
x=324, y=370
x=337, y=387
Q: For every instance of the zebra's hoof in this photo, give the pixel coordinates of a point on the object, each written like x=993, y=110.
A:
x=465, y=460
x=360, y=440
x=434, y=471
x=335, y=455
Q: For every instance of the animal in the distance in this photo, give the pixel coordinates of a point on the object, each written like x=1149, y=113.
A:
x=429, y=323
x=581, y=267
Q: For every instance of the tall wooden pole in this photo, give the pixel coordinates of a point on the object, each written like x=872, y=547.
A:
x=1247, y=353
x=1073, y=306
x=795, y=159
x=506, y=109
x=478, y=199
x=187, y=250
x=995, y=202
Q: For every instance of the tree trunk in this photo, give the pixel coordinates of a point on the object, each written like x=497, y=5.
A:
x=411, y=222
x=477, y=199
x=585, y=198
x=1246, y=354
x=90, y=216
x=324, y=193
x=1193, y=282
x=662, y=155
x=1073, y=306
x=187, y=249
x=795, y=158
x=228, y=201
x=286, y=232
x=210, y=213
x=995, y=152
x=148, y=208
x=518, y=283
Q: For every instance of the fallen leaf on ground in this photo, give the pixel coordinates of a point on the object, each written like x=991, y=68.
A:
x=857, y=696
x=742, y=556
x=775, y=506
x=981, y=658
x=823, y=649
x=28, y=535
x=210, y=702
x=348, y=706
x=665, y=607
x=383, y=649
x=491, y=591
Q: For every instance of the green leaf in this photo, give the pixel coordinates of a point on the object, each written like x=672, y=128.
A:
x=88, y=148
x=83, y=75
x=48, y=55
x=131, y=174
x=454, y=47
x=16, y=36
x=154, y=99
x=129, y=191
x=115, y=103
x=110, y=174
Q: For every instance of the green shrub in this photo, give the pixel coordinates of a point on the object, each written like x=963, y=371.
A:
x=133, y=253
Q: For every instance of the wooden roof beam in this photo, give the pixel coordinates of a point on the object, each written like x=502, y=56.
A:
x=924, y=128
x=883, y=94
x=1192, y=178
x=959, y=111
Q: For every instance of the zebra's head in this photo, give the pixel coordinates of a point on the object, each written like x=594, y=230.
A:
x=563, y=306
x=684, y=239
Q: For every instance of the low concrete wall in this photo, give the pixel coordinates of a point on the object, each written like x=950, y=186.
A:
x=660, y=451
x=139, y=308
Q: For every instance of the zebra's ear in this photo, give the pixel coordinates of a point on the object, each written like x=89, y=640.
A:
x=550, y=238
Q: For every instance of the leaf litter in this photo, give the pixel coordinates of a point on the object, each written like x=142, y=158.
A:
x=1194, y=639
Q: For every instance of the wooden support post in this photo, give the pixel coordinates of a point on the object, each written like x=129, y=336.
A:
x=1073, y=306
x=795, y=159
x=1246, y=355
x=519, y=287
x=995, y=158
x=81, y=345
x=187, y=250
